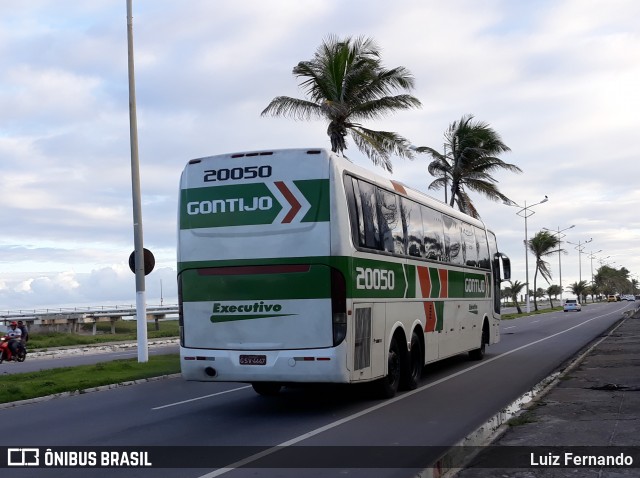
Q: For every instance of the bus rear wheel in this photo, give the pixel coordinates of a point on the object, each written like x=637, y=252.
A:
x=415, y=363
x=267, y=389
x=388, y=386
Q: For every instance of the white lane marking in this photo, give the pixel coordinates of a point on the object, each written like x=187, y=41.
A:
x=511, y=327
x=534, y=321
x=317, y=431
x=200, y=398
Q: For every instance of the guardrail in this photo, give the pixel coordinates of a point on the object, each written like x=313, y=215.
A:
x=72, y=318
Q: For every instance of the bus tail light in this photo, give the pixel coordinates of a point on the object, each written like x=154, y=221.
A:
x=338, y=306
x=180, y=312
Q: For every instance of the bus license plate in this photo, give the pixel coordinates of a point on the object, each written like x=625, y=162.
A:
x=253, y=359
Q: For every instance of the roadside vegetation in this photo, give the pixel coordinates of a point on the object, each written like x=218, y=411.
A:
x=124, y=330
x=48, y=382
x=533, y=312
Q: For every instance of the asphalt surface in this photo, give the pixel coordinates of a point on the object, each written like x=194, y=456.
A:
x=593, y=411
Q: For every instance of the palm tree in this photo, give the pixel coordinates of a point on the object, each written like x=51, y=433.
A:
x=542, y=245
x=505, y=295
x=470, y=156
x=345, y=83
x=516, y=288
x=553, y=290
x=579, y=289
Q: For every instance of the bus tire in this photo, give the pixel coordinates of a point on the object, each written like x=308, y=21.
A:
x=267, y=389
x=415, y=364
x=478, y=354
x=388, y=386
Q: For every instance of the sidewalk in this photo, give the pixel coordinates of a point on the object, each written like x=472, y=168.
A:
x=595, y=403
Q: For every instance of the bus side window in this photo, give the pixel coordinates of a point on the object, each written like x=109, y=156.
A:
x=353, y=198
x=368, y=216
x=433, y=234
x=392, y=234
x=469, y=245
x=482, y=249
x=452, y=244
x=413, y=225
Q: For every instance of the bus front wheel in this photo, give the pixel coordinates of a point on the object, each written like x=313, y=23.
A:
x=478, y=354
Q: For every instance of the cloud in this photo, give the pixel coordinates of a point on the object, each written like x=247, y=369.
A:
x=114, y=285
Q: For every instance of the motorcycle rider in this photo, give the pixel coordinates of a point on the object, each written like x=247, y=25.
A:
x=15, y=336
x=25, y=332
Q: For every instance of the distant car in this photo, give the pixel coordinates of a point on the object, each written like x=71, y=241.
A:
x=630, y=298
x=572, y=304
x=611, y=298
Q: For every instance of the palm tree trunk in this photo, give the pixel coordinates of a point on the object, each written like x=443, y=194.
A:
x=535, y=299
x=454, y=186
x=515, y=301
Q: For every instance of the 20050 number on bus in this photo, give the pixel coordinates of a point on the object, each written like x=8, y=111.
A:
x=248, y=172
x=379, y=279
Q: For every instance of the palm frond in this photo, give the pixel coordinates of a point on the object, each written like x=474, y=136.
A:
x=292, y=107
x=380, y=107
x=380, y=145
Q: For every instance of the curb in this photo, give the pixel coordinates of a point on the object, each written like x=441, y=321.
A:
x=97, y=348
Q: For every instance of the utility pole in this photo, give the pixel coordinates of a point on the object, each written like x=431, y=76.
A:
x=141, y=306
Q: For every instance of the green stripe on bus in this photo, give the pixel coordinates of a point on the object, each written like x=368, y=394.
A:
x=316, y=191
x=435, y=282
x=365, y=278
x=439, y=305
x=410, y=272
x=314, y=284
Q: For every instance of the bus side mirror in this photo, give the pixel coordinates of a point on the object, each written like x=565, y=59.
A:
x=506, y=267
x=503, y=266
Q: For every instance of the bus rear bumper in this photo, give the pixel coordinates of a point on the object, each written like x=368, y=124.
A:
x=327, y=365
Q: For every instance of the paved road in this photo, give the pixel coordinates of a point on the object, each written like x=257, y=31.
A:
x=455, y=397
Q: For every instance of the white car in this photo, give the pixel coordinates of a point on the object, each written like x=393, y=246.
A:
x=572, y=304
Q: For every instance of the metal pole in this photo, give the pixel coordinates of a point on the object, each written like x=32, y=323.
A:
x=579, y=263
x=560, y=263
x=526, y=257
x=141, y=313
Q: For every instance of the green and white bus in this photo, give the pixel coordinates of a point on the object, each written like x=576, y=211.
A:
x=297, y=266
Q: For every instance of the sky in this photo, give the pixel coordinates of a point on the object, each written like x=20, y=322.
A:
x=557, y=79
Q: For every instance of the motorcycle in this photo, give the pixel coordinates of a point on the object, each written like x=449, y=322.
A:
x=6, y=354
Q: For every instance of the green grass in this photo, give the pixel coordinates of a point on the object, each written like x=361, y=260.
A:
x=125, y=330
x=522, y=419
x=533, y=312
x=39, y=384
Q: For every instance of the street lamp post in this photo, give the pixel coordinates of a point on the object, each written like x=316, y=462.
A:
x=592, y=254
x=580, y=247
x=526, y=212
x=560, y=237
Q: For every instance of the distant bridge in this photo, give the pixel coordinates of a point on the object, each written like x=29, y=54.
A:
x=72, y=318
